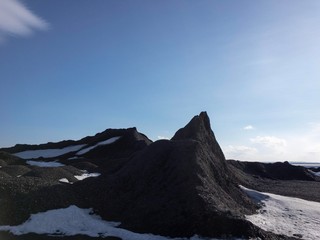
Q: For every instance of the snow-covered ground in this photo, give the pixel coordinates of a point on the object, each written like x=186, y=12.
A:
x=44, y=164
x=48, y=153
x=73, y=220
x=106, y=142
x=286, y=215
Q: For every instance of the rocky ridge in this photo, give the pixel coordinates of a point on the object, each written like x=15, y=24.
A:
x=178, y=187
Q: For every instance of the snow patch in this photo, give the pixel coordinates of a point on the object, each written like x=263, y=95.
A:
x=106, y=142
x=48, y=153
x=73, y=220
x=86, y=175
x=44, y=164
x=286, y=215
x=64, y=180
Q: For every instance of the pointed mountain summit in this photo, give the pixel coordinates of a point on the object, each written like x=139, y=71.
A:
x=199, y=129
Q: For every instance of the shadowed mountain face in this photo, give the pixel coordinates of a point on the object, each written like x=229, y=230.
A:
x=177, y=187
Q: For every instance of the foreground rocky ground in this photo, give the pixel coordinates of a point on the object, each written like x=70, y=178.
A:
x=178, y=187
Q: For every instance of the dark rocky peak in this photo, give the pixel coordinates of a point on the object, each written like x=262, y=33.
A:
x=199, y=129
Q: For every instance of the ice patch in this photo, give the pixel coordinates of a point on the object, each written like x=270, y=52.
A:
x=106, y=142
x=286, y=215
x=73, y=220
x=44, y=164
x=48, y=153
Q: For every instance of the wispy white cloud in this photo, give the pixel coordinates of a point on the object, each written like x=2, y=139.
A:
x=17, y=20
x=248, y=127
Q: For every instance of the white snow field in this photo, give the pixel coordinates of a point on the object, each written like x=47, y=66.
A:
x=44, y=164
x=106, y=142
x=48, y=153
x=73, y=220
x=286, y=215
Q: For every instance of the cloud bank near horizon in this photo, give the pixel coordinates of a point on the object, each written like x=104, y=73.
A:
x=292, y=147
x=17, y=20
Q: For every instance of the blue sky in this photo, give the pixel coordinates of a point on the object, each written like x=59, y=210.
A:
x=72, y=68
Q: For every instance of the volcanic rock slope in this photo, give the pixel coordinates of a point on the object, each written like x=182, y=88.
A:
x=177, y=187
